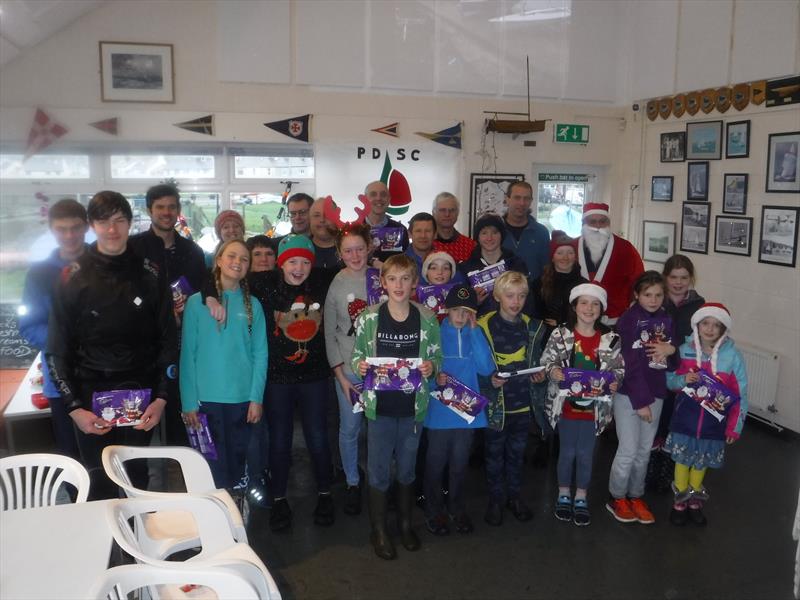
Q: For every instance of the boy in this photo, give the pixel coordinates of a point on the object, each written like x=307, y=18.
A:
x=466, y=355
x=401, y=329
x=68, y=223
x=517, y=343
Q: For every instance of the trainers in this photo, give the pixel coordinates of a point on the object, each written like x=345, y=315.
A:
x=642, y=511
x=324, y=513
x=280, y=515
x=437, y=525
x=580, y=513
x=621, y=509
x=563, y=510
x=494, y=514
x=463, y=523
x=352, y=500
x=519, y=509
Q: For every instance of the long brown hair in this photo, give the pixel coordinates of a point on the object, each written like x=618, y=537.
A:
x=248, y=303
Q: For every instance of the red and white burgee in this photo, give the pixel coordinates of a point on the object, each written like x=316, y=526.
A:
x=43, y=133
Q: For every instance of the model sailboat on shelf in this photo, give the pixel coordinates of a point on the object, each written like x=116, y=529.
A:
x=516, y=126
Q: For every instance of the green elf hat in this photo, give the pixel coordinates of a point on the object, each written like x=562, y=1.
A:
x=295, y=245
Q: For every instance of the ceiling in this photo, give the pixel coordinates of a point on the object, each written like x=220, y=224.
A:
x=25, y=23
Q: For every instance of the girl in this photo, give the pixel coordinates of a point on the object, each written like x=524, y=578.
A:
x=637, y=406
x=346, y=299
x=552, y=290
x=489, y=231
x=223, y=366
x=585, y=343
x=438, y=268
x=697, y=439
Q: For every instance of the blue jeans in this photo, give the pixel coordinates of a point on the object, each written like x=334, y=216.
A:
x=349, y=429
x=312, y=401
x=446, y=448
x=258, y=448
x=63, y=430
x=231, y=434
x=505, y=451
x=387, y=438
x=629, y=469
x=575, y=448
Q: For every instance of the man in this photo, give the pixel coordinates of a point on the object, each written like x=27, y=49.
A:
x=299, y=208
x=162, y=245
x=111, y=328
x=422, y=230
x=528, y=238
x=378, y=199
x=323, y=237
x=445, y=211
x=68, y=223
x=607, y=259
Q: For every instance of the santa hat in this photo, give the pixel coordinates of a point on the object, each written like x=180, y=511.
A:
x=595, y=208
x=719, y=312
x=590, y=289
x=439, y=256
x=224, y=217
x=295, y=245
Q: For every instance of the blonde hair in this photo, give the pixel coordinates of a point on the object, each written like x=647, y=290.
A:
x=509, y=279
x=400, y=262
x=248, y=303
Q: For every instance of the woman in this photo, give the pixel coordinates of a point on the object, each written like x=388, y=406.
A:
x=551, y=291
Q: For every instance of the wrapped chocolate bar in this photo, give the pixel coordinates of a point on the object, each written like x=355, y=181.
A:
x=181, y=288
x=201, y=440
x=387, y=239
x=462, y=400
x=393, y=374
x=585, y=386
x=432, y=297
x=484, y=278
x=650, y=331
x=713, y=395
x=355, y=398
x=375, y=291
x=121, y=408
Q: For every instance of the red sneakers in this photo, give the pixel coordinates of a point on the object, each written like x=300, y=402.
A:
x=641, y=511
x=621, y=509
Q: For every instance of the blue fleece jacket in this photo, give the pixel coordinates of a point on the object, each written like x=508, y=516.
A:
x=466, y=355
x=222, y=363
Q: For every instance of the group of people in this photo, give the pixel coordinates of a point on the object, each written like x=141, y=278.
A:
x=570, y=335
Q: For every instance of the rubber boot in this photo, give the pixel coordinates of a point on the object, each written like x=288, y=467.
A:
x=379, y=537
x=405, y=506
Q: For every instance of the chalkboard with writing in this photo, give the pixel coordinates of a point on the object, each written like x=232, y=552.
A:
x=15, y=351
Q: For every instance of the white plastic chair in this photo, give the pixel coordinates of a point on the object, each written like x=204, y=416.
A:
x=35, y=480
x=218, y=547
x=164, y=533
x=166, y=583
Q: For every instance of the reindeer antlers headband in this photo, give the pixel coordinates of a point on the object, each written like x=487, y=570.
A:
x=333, y=213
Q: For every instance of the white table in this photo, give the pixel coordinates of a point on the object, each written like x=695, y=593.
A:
x=53, y=552
x=21, y=406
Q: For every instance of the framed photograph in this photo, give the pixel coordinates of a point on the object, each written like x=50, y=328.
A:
x=658, y=241
x=694, y=227
x=697, y=181
x=783, y=165
x=661, y=189
x=136, y=72
x=733, y=235
x=704, y=140
x=734, y=194
x=737, y=139
x=673, y=146
x=487, y=194
x=778, y=235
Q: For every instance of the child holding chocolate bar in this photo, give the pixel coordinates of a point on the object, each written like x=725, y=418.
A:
x=223, y=365
x=516, y=341
x=583, y=343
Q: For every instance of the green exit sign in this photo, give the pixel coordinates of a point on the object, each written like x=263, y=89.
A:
x=567, y=133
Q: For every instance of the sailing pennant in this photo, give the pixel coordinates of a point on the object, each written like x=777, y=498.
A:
x=109, y=126
x=200, y=125
x=391, y=130
x=449, y=137
x=44, y=131
x=296, y=128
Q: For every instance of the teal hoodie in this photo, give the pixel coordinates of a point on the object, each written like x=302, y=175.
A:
x=222, y=363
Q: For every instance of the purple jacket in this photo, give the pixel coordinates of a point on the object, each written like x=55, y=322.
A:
x=643, y=384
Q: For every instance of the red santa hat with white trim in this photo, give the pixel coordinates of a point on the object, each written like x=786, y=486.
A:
x=595, y=208
x=720, y=312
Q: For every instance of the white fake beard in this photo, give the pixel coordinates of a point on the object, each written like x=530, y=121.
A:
x=596, y=241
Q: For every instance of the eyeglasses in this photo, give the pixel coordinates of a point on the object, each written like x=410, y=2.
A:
x=293, y=214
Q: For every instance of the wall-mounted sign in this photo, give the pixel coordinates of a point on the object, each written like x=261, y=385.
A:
x=567, y=133
x=563, y=177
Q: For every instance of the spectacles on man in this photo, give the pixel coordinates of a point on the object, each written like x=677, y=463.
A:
x=293, y=214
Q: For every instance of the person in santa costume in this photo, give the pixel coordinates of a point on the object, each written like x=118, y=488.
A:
x=607, y=259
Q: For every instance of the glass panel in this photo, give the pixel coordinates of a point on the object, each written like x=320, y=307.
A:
x=159, y=166
x=560, y=206
x=259, y=211
x=273, y=167
x=44, y=166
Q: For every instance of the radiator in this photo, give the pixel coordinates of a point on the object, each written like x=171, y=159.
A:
x=762, y=383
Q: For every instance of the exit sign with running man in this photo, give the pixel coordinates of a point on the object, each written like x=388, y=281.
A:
x=566, y=133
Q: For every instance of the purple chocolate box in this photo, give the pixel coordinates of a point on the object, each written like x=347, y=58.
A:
x=393, y=374
x=464, y=401
x=588, y=385
x=485, y=277
x=201, y=440
x=121, y=408
x=433, y=296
